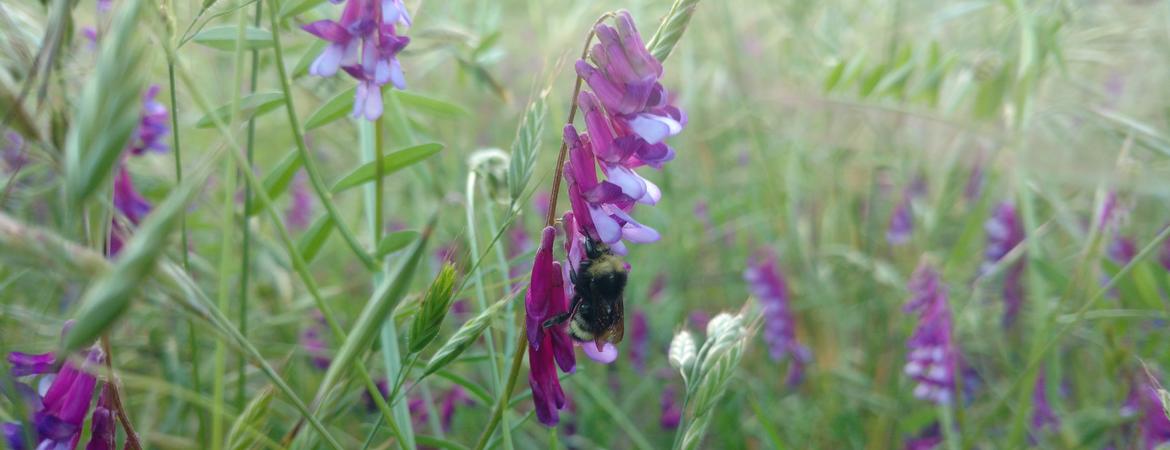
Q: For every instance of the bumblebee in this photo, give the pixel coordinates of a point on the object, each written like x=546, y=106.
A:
x=597, y=311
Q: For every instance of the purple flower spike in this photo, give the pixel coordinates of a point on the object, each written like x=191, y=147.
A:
x=102, y=427
x=1121, y=250
x=130, y=204
x=24, y=364
x=639, y=341
x=455, y=397
x=365, y=44
x=548, y=347
x=768, y=285
x=314, y=344
x=1153, y=426
x=1042, y=415
x=933, y=358
x=66, y=403
x=300, y=210
x=671, y=413
x=152, y=126
x=13, y=153
x=928, y=439
x=901, y=223
x=1004, y=233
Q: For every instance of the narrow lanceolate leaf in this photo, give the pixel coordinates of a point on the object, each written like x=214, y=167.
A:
x=224, y=38
x=277, y=180
x=109, y=108
x=671, y=29
x=310, y=244
x=524, y=147
x=415, y=101
x=391, y=163
x=249, y=426
x=108, y=297
x=463, y=339
x=251, y=105
x=335, y=108
x=395, y=241
x=373, y=315
x=434, y=309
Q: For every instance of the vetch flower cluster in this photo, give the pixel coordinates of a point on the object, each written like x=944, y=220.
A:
x=365, y=44
x=58, y=415
x=1004, y=233
x=627, y=117
x=933, y=360
x=1143, y=400
x=550, y=347
x=768, y=285
x=128, y=202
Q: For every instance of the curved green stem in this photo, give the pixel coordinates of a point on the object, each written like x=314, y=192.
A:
x=310, y=165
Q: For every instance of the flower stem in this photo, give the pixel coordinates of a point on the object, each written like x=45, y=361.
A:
x=132, y=442
x=245, y=254
x=192, y=341
x=310, y=165
x=522, y=340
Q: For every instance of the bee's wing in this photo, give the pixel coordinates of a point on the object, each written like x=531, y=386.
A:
x=617, y=331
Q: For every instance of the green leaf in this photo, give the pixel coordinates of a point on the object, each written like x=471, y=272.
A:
x=315, y=237
x=391, y=163
x=223, y=37
x=251, y=105
x=430, y=105
x=277, y=180
x=373, y=315
x=294, y=7
x=333, y=109
x=395, y=241
x=834, y=76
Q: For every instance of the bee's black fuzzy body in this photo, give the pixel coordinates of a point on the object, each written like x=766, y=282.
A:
x=597, y=309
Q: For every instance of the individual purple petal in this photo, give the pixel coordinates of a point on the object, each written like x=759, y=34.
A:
x=928, y=439
x=153, y=125
x=605, y=355
x=24, y=364
x=538, y=300
x=654, y=128
x=103, y=430
x=1122, y=250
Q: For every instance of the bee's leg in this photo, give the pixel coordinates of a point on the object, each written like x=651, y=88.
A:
x=562, y=317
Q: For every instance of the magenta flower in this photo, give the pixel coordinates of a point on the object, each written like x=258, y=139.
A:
x=639, y=341
x=929, y=438
x=1153, y=426
x=13, y=153
x=602, y=207
x=365, y=44
x=455, y=397
x=300, y=209
x=548, y=347
x=671, y=413
x=770, y=288
x=1042, y=414
x=901, y=223
x=1004, y=233
x=934, y=357
x=314, y=343
x=24, y=364
x=103, y=430
x=1121, y=250
x=59, y=414
x=130, y=205
x=624, y=76
x=152, y=126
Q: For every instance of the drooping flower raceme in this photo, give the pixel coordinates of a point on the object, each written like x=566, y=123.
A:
x=300, y=209
x=933, y=359
x=59, y=414
x=550, y=347
x=128, y=202
x=365, y=44
x=152, y=126
x=901, y=225
x=770, y=288
x=1043, y=417
x=1143, y=400
x=1004, y=233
